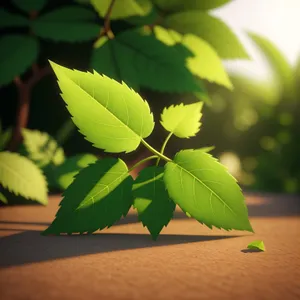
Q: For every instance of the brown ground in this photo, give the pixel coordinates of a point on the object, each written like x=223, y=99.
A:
x=188, y=261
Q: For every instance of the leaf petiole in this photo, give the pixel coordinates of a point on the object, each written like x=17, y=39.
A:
x=164, y=146
x=150, y=148
x=142, y=161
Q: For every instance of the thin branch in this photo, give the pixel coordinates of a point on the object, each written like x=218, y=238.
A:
x=107, y=17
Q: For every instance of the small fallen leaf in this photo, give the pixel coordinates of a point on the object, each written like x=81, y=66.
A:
x=257, y=245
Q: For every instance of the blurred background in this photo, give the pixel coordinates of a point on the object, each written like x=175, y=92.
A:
x=255, y=128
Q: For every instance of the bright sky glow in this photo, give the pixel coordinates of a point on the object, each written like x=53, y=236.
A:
x=278, y=20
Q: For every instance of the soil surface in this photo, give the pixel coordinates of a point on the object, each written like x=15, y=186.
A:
x=188, y=261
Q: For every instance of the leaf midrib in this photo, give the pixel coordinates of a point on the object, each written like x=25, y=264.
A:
x=199, y=180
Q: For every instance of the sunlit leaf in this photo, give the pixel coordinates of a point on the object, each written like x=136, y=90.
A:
x=209, y=28
x=3, y=199
x=257, y=245
x=98, y=197
x=204, y=189
x=22, y=177
x=109, y=114
x=122, y=9
x=182, y=120
x=183, y=5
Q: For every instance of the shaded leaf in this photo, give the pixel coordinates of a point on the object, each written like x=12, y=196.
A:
x=30, y=5
x=206, y=63
x=257, y=245
x=3, y=199
x=22, y=177
x=204, y=189
x=209, y=28
x=5, y=138
x=97, y=198
x=64, y=133
x=67, y=24
x=71, y=166
x=182, y=120
x=155, y=208
x=122, y=9
x=18, y=53
x=41, y=148
x=142, y=60
x=279, y=64
x=109, y=114
x=8, y=19
x=148, y=19
x=183, y=5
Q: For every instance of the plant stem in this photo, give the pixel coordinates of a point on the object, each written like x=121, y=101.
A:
x=164, y=146
x=107, y=30
x=141, y=162
x=24, y=92
x=150, y=148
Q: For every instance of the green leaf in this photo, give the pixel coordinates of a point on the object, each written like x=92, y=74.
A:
x=182, y=120
x=257, y=245
x=122, y=9
x=8, y=19
x=155, y=208
x=97, y=198
x=30, y=5
x=148, y=19
x=19, y=52
x=167, y=36
x=206, y=63
x=281, y=67
x=5, y=138
x=204, y=189
x=183, y=5
x=41, y=148
x=207, y=149
x=64, y=133
x=22, y=177
x=67, y=24
x=142, y=60
x=71, y=166
x=109, y=114
x=3, y=199
x=209, y=28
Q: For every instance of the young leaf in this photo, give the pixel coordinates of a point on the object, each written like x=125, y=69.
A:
x=122, y=9
x=155, y=208
x=30, y=5
x=257, y=245
x=41, y=148
x=109, y=114
x=167, y=36
x=19, y=52
x=142, y=60
x=3, y=199
x=183, y=5
x=209, y=28
x=22, y=177
x=206, y=63
x=204, y=189
x=8, y=19
x=182, y=120
x=4, y=138
x=98, y=197
x=281, y=67
x=71, y=166
x=67, y=24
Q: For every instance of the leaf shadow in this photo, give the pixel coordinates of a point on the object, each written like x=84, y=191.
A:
x=251, y=251
x=31, y=247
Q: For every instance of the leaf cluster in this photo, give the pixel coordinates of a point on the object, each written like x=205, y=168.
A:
x=116, y=119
